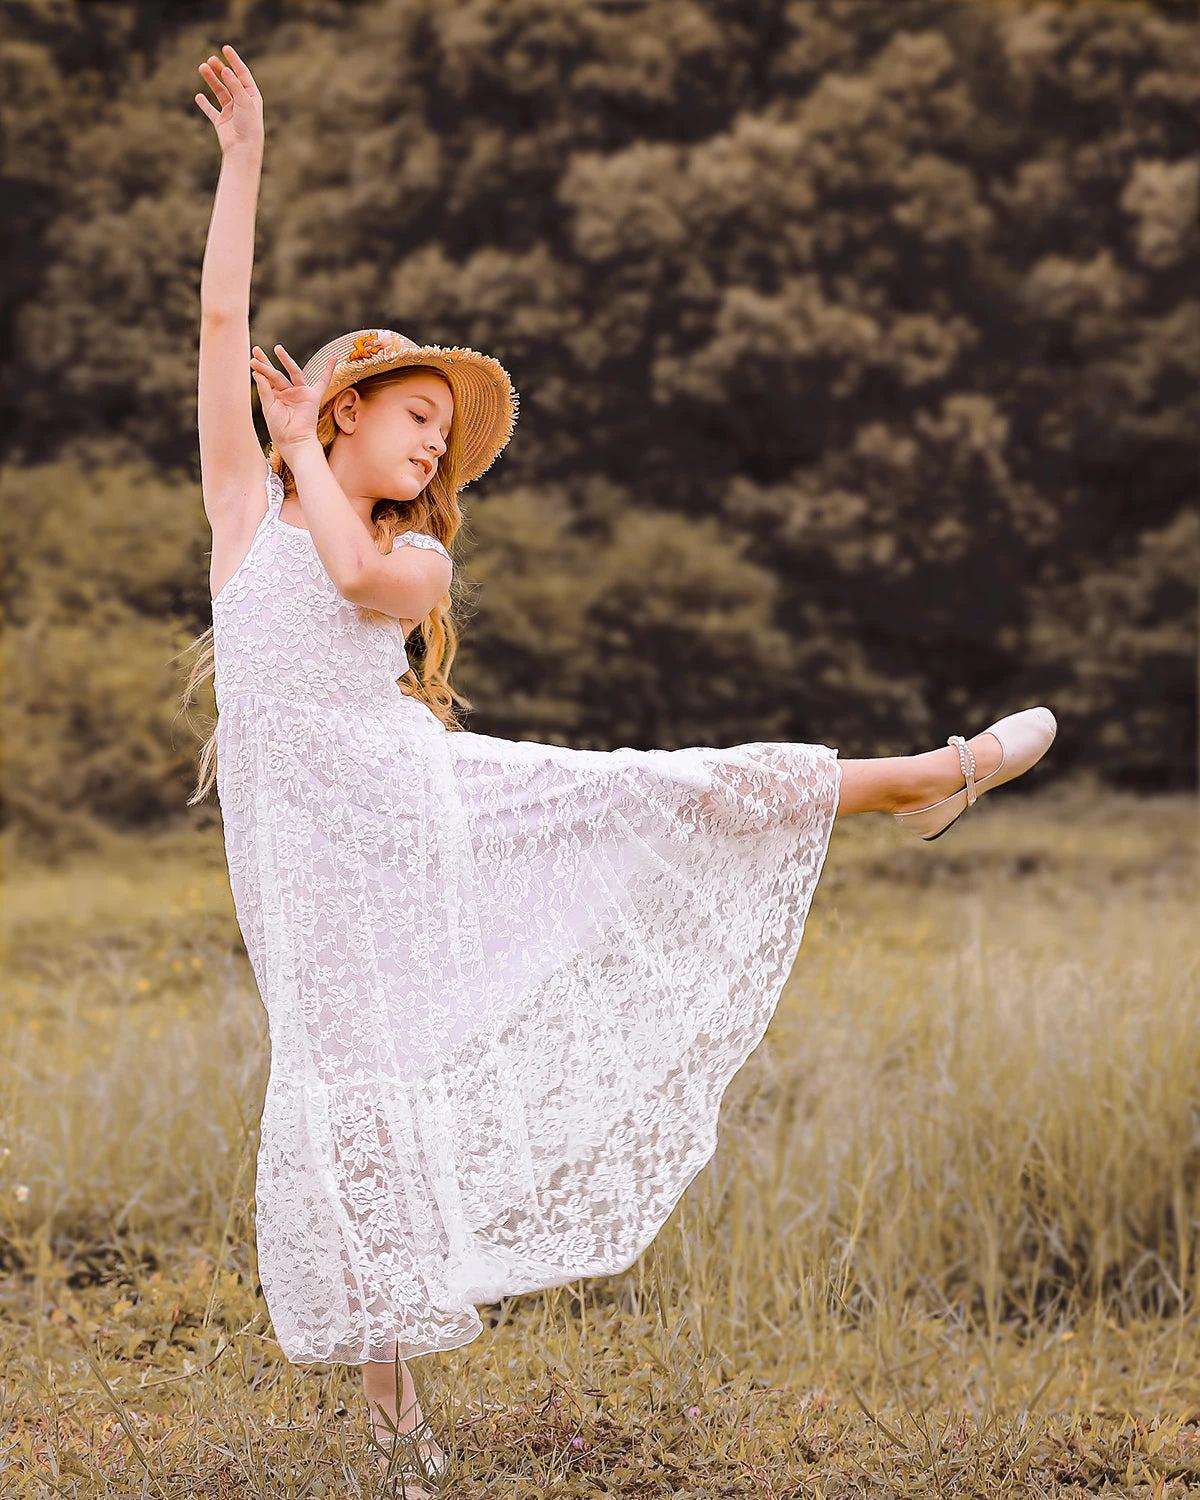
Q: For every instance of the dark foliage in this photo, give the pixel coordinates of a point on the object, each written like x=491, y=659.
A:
x=857, y=344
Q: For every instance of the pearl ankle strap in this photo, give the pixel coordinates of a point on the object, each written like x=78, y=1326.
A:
x=966, y=759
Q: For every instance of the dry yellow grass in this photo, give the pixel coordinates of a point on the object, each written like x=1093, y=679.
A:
x=947, y=1247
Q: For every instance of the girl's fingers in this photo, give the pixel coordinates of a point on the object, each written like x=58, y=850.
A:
x=212, y=114
x=261, y=363
x=278, y=379
x=232, y=82
x=286, y=359
x=228, y=78
x=214, y=83
x=214, y=69
x=328, y=375
x=273, y=379
x=245, y=77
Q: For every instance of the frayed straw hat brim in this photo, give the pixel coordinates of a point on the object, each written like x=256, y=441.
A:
x=485, y=403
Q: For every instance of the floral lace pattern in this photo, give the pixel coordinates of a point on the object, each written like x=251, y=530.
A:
x=418, y=539
x=507, y=983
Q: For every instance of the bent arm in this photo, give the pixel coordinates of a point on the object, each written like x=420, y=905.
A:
x=344, y=541
x=405, y=585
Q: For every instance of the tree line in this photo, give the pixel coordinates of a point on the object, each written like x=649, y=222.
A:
x=857, y=344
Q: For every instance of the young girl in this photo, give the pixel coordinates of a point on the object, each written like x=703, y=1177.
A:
x=507, y=983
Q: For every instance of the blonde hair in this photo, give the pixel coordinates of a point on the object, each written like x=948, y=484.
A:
x=435, y=511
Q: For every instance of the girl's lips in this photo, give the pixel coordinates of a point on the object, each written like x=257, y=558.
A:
x=420, y=468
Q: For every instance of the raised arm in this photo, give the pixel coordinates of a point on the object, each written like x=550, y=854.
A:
x=231, y=458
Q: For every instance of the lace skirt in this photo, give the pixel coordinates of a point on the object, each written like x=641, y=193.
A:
x=507, y=986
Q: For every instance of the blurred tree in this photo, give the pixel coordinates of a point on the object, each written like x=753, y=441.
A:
x=583, y=650
x=857, y=343
x=105, y=573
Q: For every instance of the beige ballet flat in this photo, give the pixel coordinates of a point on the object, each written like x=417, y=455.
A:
x=429, y=1467
x=1024, y=738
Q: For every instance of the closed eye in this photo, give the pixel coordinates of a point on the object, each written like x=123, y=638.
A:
x=422, y=418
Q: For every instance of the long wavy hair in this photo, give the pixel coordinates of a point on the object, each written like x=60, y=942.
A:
x=435, y=511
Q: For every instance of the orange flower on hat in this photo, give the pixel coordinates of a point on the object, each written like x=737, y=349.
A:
x=366, y=346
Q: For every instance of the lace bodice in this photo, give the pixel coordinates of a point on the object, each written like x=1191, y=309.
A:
x=281, y=627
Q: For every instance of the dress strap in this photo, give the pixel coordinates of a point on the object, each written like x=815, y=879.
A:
x=274, y=493
x=419, y=539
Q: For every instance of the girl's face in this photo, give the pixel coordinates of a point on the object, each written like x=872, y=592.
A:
x=390, y=446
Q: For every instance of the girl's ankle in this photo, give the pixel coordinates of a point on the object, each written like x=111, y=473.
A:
x=931, y=776
x=935, y=775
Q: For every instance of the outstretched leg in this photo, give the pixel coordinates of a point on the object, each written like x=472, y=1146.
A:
x=902, y=783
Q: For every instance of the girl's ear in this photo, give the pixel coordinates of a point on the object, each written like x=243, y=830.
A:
x=345, y=409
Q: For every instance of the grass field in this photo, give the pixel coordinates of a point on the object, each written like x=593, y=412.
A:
x=949, y=1245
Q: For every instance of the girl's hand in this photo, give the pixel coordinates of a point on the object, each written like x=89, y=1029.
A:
x=240, y=122
x=289, y=405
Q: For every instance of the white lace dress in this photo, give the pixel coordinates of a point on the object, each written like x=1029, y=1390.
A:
x=507, y=983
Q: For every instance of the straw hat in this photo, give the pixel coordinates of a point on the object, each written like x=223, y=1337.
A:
x=485, y=404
